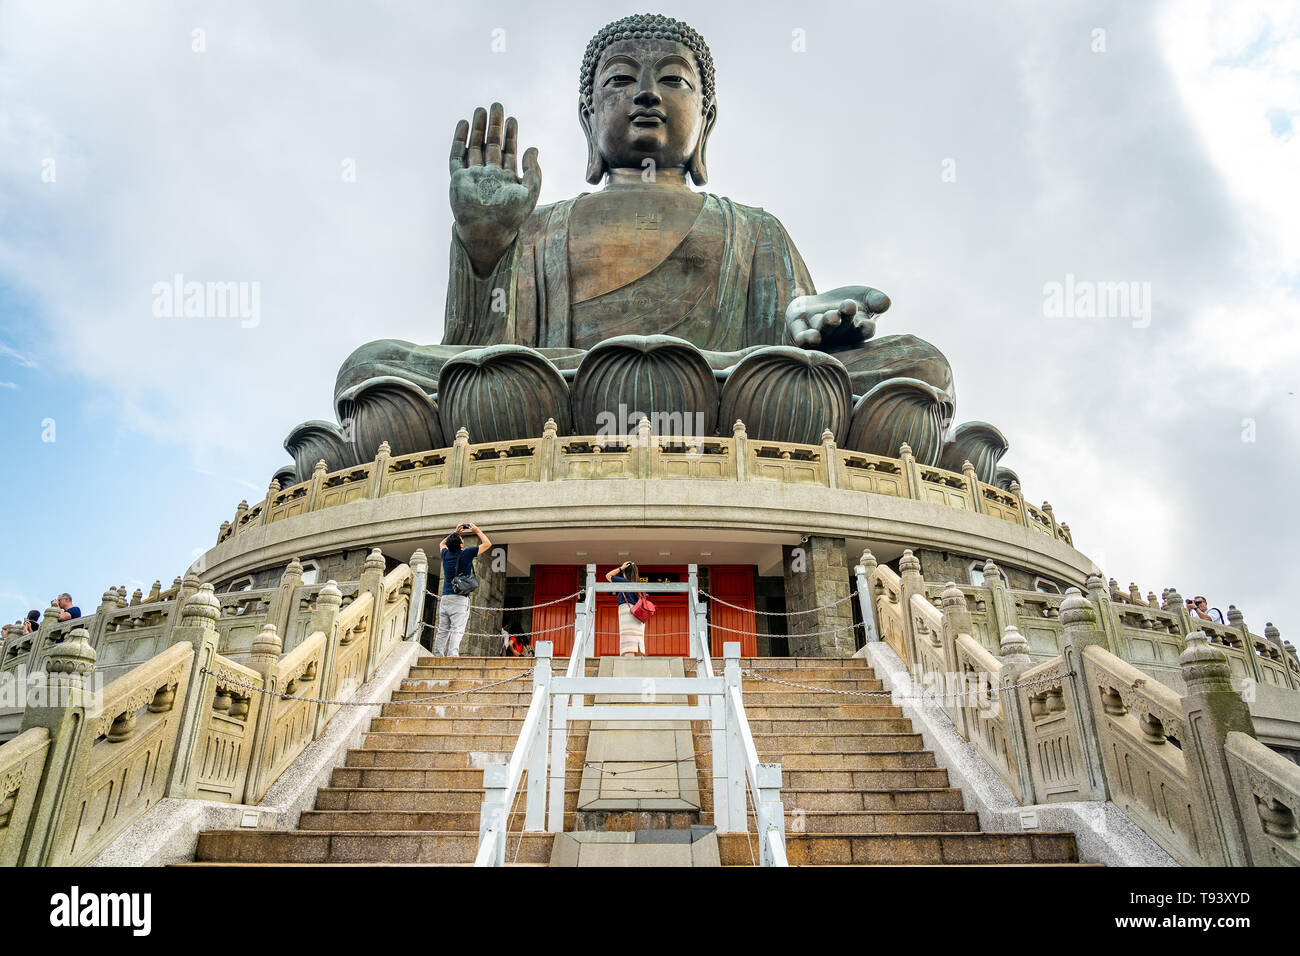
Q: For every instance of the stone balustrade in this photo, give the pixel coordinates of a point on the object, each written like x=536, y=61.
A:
x=1151, y=639
x=644, y=455
x=1084, y=724
x=188, y=722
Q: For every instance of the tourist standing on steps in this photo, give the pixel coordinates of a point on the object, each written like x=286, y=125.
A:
x=453, y=604
x=631, y=632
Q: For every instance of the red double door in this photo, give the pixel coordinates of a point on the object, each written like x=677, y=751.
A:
x=667, y=634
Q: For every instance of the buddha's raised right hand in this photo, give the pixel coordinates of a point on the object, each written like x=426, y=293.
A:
x=488, y=197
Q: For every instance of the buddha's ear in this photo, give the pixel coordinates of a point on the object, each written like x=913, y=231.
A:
x=595, y=163
x=696, y=167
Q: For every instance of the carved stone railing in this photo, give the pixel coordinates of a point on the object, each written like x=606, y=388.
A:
x=189, y=722
x=552, y=457
x=1183, y=763
x=1150, y=638
x=1268, y=792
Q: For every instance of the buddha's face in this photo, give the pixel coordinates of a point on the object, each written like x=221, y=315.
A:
x=646, y=103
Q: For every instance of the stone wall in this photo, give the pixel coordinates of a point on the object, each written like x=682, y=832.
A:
x=817, y=576
x=944, y=566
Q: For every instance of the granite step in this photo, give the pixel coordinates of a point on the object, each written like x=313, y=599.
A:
x=911, y=849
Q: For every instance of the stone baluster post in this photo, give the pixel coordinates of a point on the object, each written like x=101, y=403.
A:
x=1107, y=618
x=1175, y=605
x=911, y=470
x=834, y=465
x=1274, y=636
x=62, y=695
x=549, y=451
x=264, y=658
x=910, y=583
x=272, y=490
x=155, y=593
x=189, y=586
x=197, y=627
x=1014, y=653
x=862, y=572
x=419, y=589
x=956, y=620
x=1020, y=500
x=1237, y=621
x=240, y=511
x=740, y=450
x=973, y=485
x=1079, y=631
x=1002, y=605
x=379, y=470
x=1213, y=710
x=324, y=618
x=1056, y=528
x=313, y=488
x=459, y=455
x=283, y=608
x=372, y=583
x=644, y=450
x=222, y=530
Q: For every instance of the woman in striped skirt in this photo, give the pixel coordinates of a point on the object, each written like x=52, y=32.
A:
x=631, y=632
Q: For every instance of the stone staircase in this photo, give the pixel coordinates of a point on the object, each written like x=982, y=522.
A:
x=859, y=787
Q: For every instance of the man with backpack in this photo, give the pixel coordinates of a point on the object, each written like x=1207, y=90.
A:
x=458, y=582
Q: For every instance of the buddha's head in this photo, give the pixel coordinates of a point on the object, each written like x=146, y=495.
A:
x=646, y=92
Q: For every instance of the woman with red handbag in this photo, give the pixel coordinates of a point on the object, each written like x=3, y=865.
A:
x=633, y=611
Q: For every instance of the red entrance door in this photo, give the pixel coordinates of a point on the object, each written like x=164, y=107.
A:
x=668, y=632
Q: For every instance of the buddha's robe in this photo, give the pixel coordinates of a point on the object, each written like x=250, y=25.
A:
x=724, y=288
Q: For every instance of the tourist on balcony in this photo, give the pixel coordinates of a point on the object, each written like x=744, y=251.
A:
x=67, y=610
x=631, y=631
x=32, y=622
x=457, y=576
x=1199, y=609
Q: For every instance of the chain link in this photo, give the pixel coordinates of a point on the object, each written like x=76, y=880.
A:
x=525, y=607
x=227, y=681
x=812, y=610
x=890, y=694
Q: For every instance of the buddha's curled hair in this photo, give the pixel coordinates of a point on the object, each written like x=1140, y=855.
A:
x=650, y=26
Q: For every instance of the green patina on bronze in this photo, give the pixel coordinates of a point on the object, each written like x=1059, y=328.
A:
x=645, y=255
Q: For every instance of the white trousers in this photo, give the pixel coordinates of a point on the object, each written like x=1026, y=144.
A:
x=453, y=614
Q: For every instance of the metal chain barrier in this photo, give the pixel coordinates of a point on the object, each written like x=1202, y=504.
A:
x=227, y=681
x=890, y=694
x=812, y=610
x=526, y=607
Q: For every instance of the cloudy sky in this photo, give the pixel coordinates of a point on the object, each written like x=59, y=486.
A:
x=960, y=156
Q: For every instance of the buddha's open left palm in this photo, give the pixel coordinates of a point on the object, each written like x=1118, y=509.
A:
x=840, y=318
x=489, y=198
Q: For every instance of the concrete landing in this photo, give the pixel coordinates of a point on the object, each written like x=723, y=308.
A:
x=640, y=766
x=697, y=846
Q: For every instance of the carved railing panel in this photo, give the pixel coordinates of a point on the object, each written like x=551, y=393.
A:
x=500, y=463
x=410, y=473
x=341, y=488
x=701, y=458
x=785, y=462
x=1267, y=788
x=612, y=457
x=1140, y=726
x=873, y=474
x=1055, y=752
x=125, y=756
x=22, y=761
x=226, y=747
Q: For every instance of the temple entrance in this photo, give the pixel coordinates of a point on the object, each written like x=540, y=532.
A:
x=668, y=632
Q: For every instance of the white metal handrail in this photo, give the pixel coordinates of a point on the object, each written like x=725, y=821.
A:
x=735, y=758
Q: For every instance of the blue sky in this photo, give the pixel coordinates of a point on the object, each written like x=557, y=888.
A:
x=1166, y=157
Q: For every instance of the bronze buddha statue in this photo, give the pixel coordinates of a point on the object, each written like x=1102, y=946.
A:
x=645, y=292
